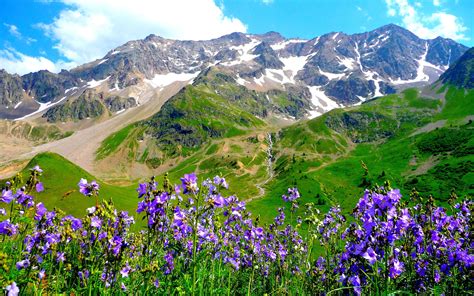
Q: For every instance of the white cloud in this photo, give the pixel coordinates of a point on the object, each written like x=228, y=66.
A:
x=15, y=62
x=436, y=2
x=359, y=8
x=391, y=12
x=427, y=26
x=87, y=29
x=13, y=30
x=267, y=2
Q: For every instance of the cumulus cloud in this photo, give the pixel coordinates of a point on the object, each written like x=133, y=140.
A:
x=87, y=29
x=15, y=62
x=13, y=30
x=427, y=26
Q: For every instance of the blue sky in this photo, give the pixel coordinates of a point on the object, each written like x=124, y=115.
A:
x=56, y=34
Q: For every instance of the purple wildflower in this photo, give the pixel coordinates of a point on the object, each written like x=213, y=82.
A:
x=96, y=222
x=7, y=228
x=141, y=189
x=218, y=201
x=396, y=268
x=7, y=196
x=293, y=195
x=437, y=276
x=40, y=211
x=169, y=266
x=370, y=255
x=76, y=224
x=36, y=168
x=88, y=189
x=189, y=183
x=60, y=257
x=221, y=182
x=22, y=264
x=125, y=270
x=39, y=187
x=116, y=244
x=355, y=281
x=12, y=289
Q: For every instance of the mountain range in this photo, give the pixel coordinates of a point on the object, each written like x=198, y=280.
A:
x=332, y=70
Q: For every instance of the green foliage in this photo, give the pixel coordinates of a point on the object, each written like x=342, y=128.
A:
x=193, y=117
x=405, y=159
x=113, y=142
x=64, y=194
x=444, y=140
x=77, y=109
x=459, y=104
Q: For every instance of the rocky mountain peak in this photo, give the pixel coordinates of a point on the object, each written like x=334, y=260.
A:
x=335, y=68
x=271, y=37
x=236, y=37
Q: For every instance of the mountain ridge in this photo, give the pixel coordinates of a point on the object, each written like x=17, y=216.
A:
x=335, y=67
x=461, y=74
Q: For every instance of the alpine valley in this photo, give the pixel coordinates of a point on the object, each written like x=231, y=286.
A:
x=331, y=115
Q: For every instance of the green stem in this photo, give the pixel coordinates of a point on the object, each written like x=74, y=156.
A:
x=196, y=217
x=250, y=282
x=228, y=283
x=213, y=279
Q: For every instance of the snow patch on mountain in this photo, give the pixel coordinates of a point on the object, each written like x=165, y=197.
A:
x=260, y=81
x=332, y=76
x=241, y=81
x=278, y=75
x=282, y=45
x=421, y=76
x=42, y=107
x=244, y=51
x=294, y=64
x=102, y=61
x=346, y=62
x=94, y=83
x=116, y=86
x=162, y=80
x=70, y=89
x=321, y=100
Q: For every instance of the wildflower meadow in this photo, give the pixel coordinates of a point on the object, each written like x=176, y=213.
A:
x=194, y=240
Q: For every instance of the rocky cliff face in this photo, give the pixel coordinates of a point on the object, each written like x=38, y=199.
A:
x=336, y=69
x=461, y=73
x=11, y=91
x=45, y=86
x=90, y=104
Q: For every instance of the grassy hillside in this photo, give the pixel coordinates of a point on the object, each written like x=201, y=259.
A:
x=184, y=125
x=60, y=178
x=399, y=138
